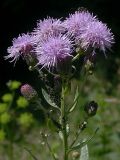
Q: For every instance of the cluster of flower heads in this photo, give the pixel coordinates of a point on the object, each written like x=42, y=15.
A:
x=54, y=40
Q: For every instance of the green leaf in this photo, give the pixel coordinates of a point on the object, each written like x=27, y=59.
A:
x=84, y=155
x=48, y=99
x=81, y=144
x=75, y=101
x=68, y=88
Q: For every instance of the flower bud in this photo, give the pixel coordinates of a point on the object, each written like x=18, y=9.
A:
x=28, y=92
x=91, y=108
x=75, y=155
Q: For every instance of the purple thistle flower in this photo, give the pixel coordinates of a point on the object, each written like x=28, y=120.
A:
x=22, y=46
x=54, y=50
x=76, y=23
x=48, y=27
x=96, y=35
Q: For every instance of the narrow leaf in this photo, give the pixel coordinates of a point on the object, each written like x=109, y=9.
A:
x=48, y=99
x=75, y=101
x=30, y=153
x=81, y=144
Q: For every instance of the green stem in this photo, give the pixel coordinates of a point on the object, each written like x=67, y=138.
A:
x=63, y=122
x=77, y=135
x=51, y=151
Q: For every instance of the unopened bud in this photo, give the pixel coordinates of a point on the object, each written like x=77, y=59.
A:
x=75, y=155
x=28, y=92
x=91, y=108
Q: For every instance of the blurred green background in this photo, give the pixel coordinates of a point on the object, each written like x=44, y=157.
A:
x=18, y=127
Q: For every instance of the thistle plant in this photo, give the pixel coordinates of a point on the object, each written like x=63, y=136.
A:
x=61, y=50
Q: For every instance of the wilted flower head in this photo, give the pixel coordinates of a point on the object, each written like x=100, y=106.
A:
x=91, y=108
x=28, y=92
x=22, y=45
x=96, y=35
x=77, y=22
x=48, y=27
x=54, y=50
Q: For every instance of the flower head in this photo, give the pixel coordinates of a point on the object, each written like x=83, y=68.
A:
x=48, y=27
x=76, y=23
x=54, y=50
x=96, y=35
x=28, y=92
x=22, y=45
